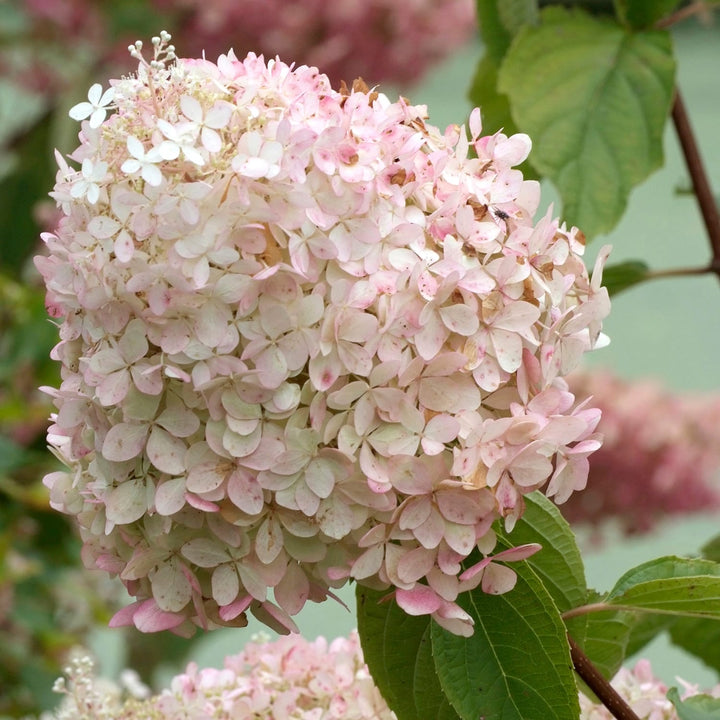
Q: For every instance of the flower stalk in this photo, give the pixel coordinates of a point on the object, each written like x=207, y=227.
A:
x=599, y=685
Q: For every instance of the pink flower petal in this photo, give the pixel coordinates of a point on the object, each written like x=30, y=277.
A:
x=165, y=452
x=245, y=492
x=420, y=600
x=415, y=564
x=205, y=552
x=150, y=618
x=171, y=587
x=225, y=585
x=498, y=579
x=127, y=502
x=292, y=591
x=124, y=441
x=230, y=612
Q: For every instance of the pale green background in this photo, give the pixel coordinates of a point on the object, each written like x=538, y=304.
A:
x=668, y=329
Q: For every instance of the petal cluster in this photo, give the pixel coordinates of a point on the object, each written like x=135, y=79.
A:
x=290, y=677
x=644, y=693
x=306, y=337
x=304, y=680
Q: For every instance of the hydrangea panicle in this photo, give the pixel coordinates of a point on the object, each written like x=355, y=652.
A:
x=306, y=337
x=292, y=677
x=289, y=677
x=645, y=693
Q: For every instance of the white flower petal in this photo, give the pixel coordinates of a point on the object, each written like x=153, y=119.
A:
x=80, y=111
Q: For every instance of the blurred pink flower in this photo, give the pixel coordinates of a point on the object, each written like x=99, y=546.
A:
x=378, y=40
x=660, y=453
x=283, y=365
x=288, y=677
x=291, y=677
x=645, y=694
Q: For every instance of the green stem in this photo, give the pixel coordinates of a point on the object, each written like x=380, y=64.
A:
x=586, y=609
x=618, y=607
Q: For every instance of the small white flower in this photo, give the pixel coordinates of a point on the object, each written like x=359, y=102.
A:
x=87, y=184
x=95, y=108
x=257, y=157
x=181, y=138
x=142, y=161
x=216, y=118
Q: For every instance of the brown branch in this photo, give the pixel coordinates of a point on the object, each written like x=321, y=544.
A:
x=700, y=182
x=699, y=8
x=605, y=692
x=681, y=272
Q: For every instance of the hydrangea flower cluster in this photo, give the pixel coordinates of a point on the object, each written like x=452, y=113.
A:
x=287, y=678
x=644, y=693
x=295, y=678
x=660, y=454
x=379, y=40
x=305, y=337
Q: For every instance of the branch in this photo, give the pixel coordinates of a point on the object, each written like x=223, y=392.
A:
x=682, y=272
x=605, y=692
x=701, y=185
x=701, y=8
x=585, y=609
x=619, y=607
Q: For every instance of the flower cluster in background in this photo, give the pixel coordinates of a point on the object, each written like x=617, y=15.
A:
x=294, y=678
x=287, y=678
x=644, y=693
x=378, y=40
x=305, y=337
x=660, y=454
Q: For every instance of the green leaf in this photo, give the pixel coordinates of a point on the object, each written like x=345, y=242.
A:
x=493, y=105
x=697, y=707
x=640, y=14
x=495, y=36
x=699, y=637
x=673, y=585
x=646, y=628
x=396, y=649
x=603, y=636
x=621, y=276
x=12, y=455
x=21, y=190
x=594, y=99
x=559, y=564
x=430, y=700
x=517, y=663
x=711, y=549
x=514, y=14
x=668, y=567
x=596, y=7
